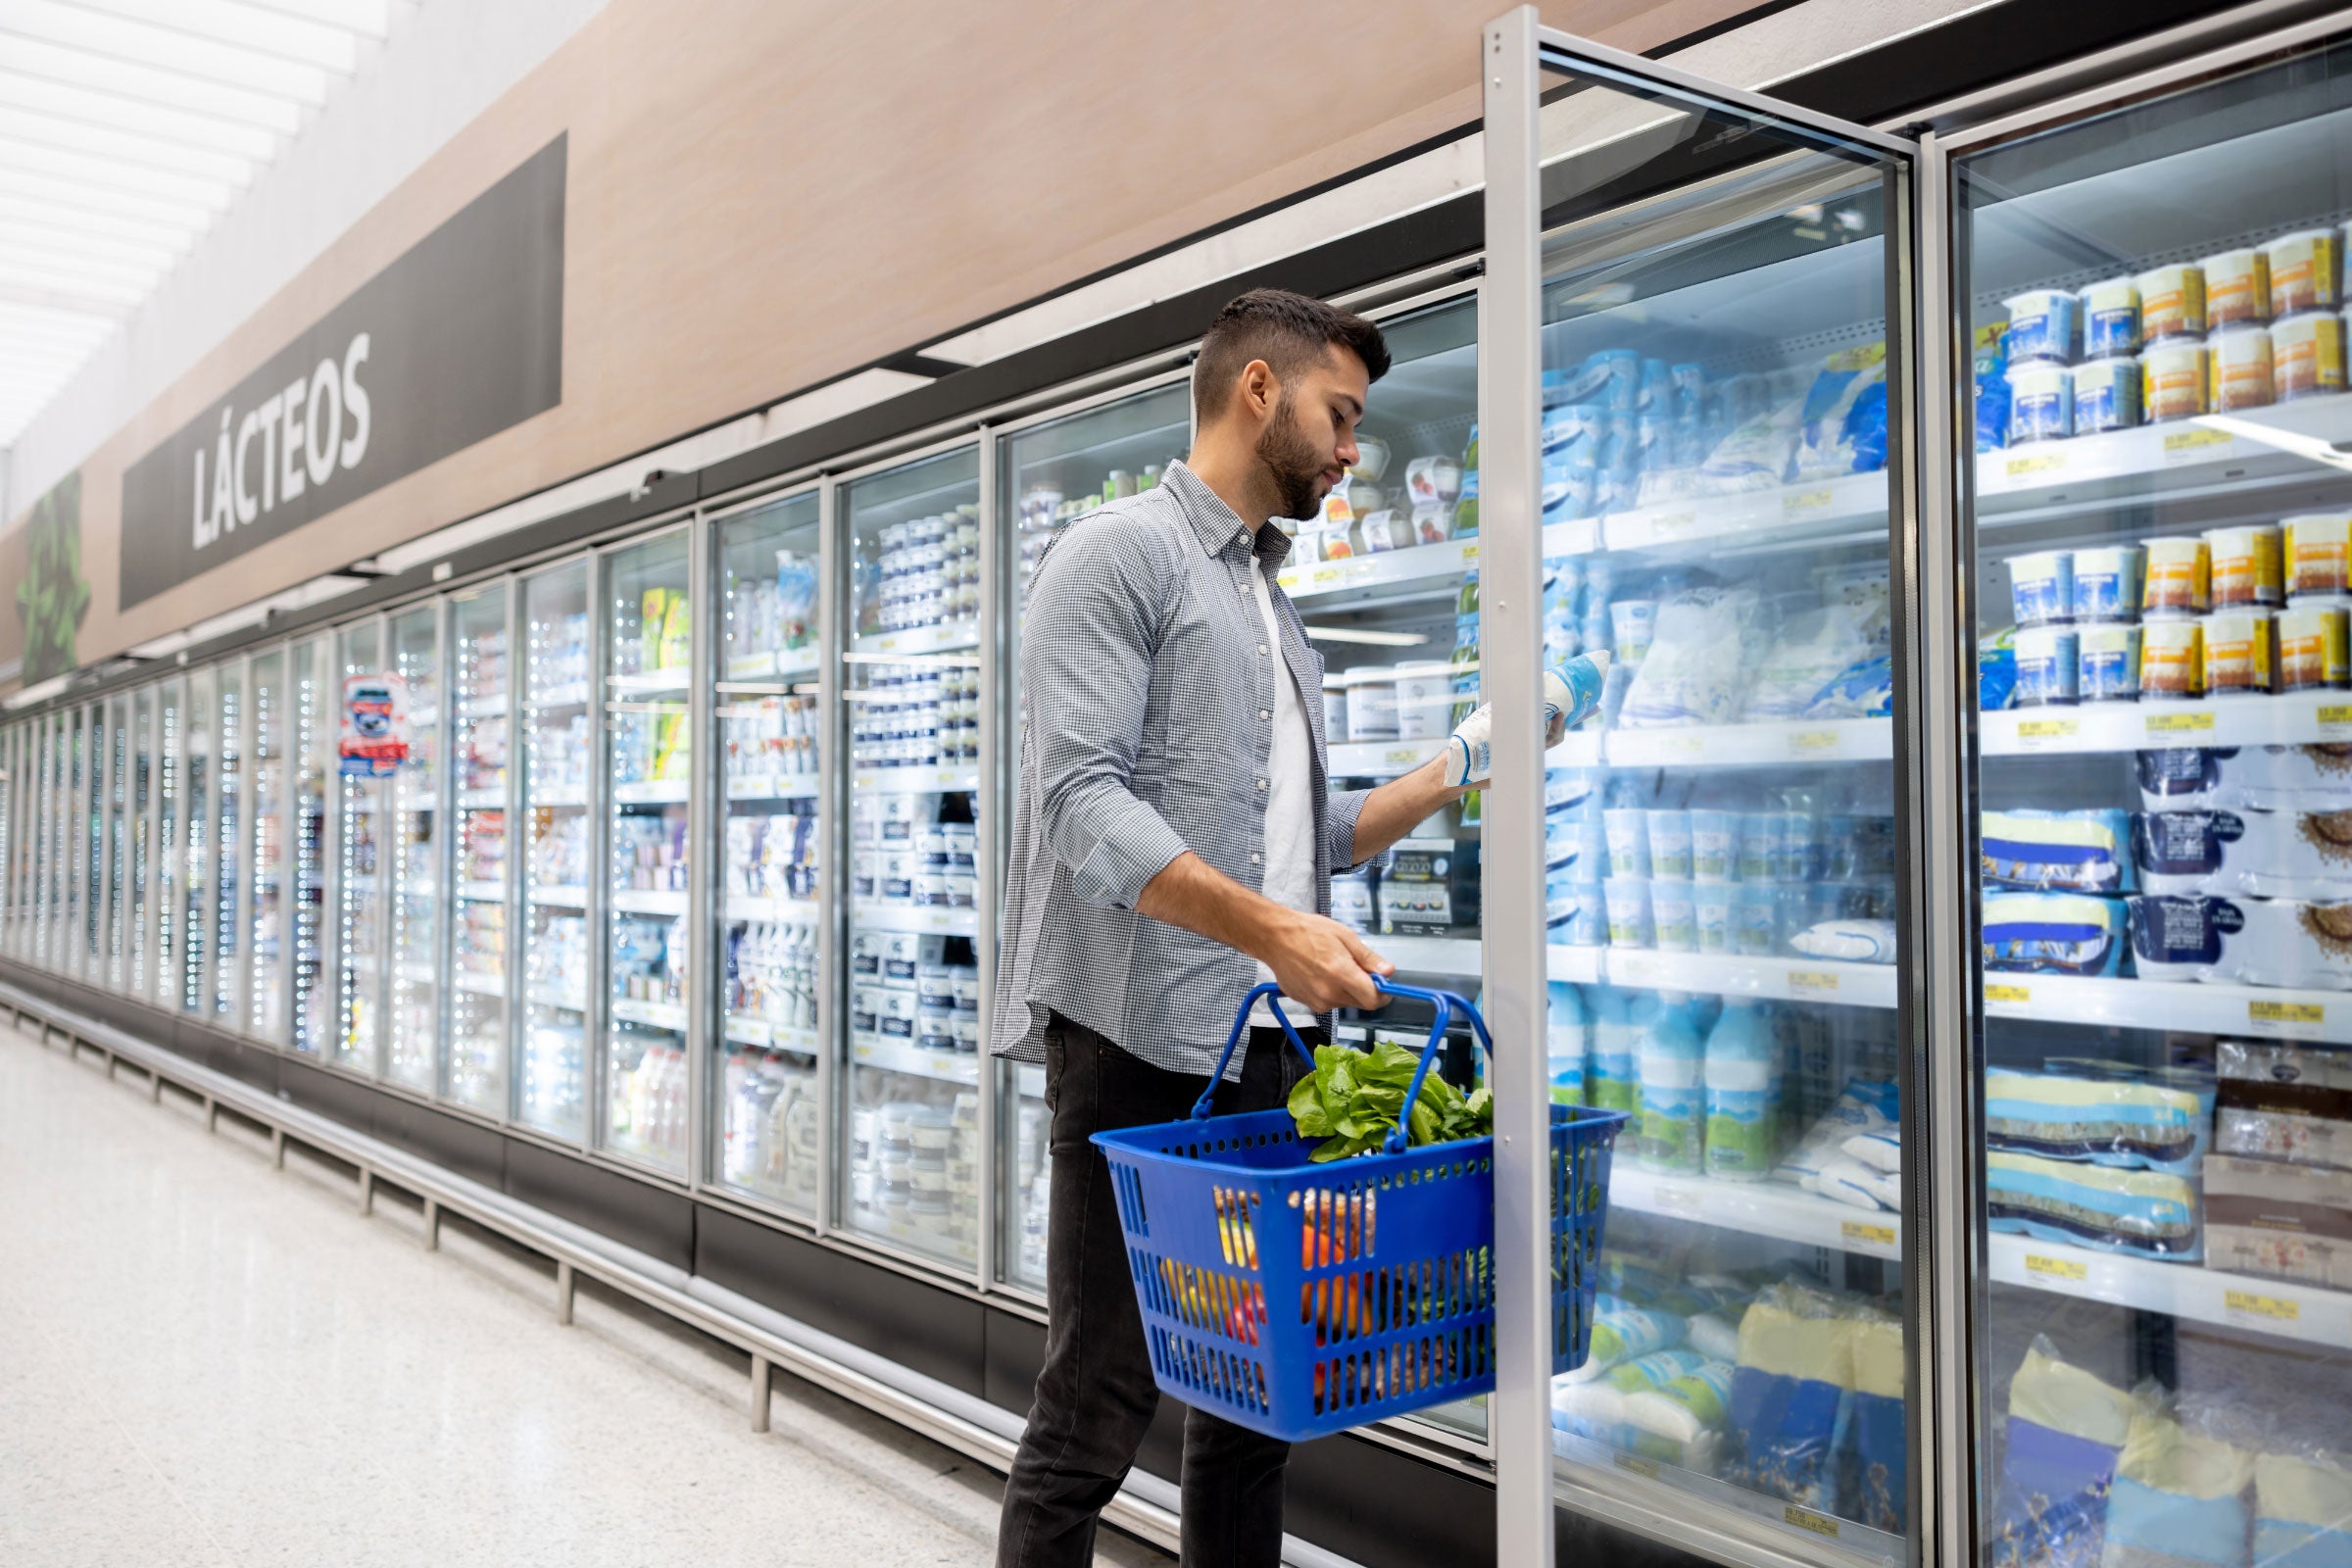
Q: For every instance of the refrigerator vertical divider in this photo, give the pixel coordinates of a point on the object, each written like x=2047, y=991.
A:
x=512, y=962
x=289, y=838
x=599, y=796
x=240, y=907
x=995, y=607
x=1510, y=638
x=324, y=650
x=152, y=930
x=69, y=831
x=193, y=886
x=385, y=879
x=832, y=638
x=702, y=968
x=1942, y=1110
x=445, y=839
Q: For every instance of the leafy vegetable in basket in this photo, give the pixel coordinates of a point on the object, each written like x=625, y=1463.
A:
x=1354, y=1097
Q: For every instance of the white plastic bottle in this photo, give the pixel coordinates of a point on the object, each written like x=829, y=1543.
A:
x=1621, y=1019
x=1569, y=1042
x=1673, y=1118
x=1742, y=1071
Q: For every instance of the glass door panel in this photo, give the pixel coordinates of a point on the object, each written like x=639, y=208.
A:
x=140, y=819
x=171, y=855
x=268, y=907
x=229, y=791
x=360, y=832
x=481, y=715
x=89, y=832
x=116, y=791
x=552, y=1089
x=649, y=653
x=414, y=851
x=310, y=754
x=767, y=1126
x=1048, y=474
x=911, y=702
x=70, y=948
x=44, y=786
x=1714, y=336
x=2159, y=501
x=197, y=862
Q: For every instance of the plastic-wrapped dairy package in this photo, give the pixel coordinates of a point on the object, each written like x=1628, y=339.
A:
x=1792, y=1401
x=2065, y=1433
x=2282, y=1221
x=2053, y=933
x=2290, y=778
x=2181, y=778
x=2302, y=1510
x=2145, y=1213
x=2264, y=854
x=2105, y=1122
x=1706, y=643
x=2283, y=1101
x=2062, y=851
x=2179, y=1498
x=2255, y=942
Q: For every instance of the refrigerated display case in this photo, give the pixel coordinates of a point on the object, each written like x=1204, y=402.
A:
x=90, y=833
x=2152, y=296
x=171, y=855
x=226, y=994
x=767, y=1117
x=481, y=720
x=647, y=674
x=552, y=1086
x=359, y=830
x=197, y=866
x=414, y=854
x=117, y=794
x=139, y=822
x=311, y=747
x=268, y=910
x=910, y=708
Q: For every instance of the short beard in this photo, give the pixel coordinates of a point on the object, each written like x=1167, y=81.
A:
x=1292, y=462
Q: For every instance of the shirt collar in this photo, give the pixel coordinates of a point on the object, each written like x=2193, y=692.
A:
x=1217, y=525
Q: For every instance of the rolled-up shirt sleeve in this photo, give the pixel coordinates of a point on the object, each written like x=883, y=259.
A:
x=1339, y=817
x=1087, y=647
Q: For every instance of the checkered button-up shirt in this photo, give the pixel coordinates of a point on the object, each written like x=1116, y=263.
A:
x=1148, y=690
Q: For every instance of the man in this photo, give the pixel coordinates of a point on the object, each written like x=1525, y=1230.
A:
x=1173, y=843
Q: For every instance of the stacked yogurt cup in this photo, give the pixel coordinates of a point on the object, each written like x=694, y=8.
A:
x=2239, y=329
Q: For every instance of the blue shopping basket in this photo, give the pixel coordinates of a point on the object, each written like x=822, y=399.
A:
x=1301, y=1299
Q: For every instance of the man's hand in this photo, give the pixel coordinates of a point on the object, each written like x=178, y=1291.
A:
x=1468, y=755
x=1322, y=963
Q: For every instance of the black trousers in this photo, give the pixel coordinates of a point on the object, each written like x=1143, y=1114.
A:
x=1094, y=1397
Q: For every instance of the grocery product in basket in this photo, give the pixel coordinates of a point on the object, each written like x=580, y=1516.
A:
x=2084, y=851
x=2143, y=1212
x=2053, y=933
x=2065, y=1433
x=2106, y=1121
x=1354, y=1098
x=2179, y=1497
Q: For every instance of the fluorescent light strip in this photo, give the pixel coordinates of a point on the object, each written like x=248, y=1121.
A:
x=319, y=45
x=210, y=196
x=102, y=141
x=164, y=49
x=1370, y=639
x=95, y=105
x=104, y=74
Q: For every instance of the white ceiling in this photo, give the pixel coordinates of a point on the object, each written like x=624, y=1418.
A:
x=126, y=128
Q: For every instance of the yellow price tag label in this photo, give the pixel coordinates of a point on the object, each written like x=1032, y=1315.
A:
x=2049, y=729
x=2268, y=1309
x=1858, y=1234
x=2335, y=714
x=2310, y=1012
x=2190, y=441
x=2014, y=995
x=1804, y=501
x=1324, y=576
x=2057, y=1268
x=1469, y=552
x=2179, y=723
x=1401, y=755
x=1812, y=742
x=1639, y=1466
x=1671, y=524
x=2036, y=463
x=1812, y=980
x=1821, y=1524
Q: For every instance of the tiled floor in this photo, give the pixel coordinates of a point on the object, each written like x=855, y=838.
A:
x=207, y=1361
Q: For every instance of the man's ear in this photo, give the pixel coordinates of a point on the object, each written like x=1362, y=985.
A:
x=1260, y=389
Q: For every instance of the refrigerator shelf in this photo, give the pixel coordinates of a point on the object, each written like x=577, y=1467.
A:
x=915, y=780
x=1389, y=758
x=2290, y=718
x=650, y=792
x=1765, y=978
x=788, y=787
x=750, y=907
x=2310, y=1313
x=480, y=985
x=1772, y=1209
x=2221, y=1009
x=949, y=636
x=1389, y=569
x=1787, y=513
x=670, y=679
x=490, y=705
x=562, y=1000
x=493, y=798
x=558, y=795
x=559, y=895
x=641, y=901
x=892, y=1054
x=668, y=1015
x=1866, y=1543
x=1799, y=741
x=918, y=918
x=780, y=662
x=2224, y=453
x=773, y=1036
x=483, y=892
x=572, y=694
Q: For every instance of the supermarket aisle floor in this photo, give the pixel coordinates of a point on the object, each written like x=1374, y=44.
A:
x=210, y=1362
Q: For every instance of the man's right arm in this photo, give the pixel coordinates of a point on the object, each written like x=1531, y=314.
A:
x=1317, y=961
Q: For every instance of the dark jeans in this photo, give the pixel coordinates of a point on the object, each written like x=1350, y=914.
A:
x=1095, y=1395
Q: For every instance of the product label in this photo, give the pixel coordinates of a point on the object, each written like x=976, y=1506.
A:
x=2045, y=730
x=2179, y=723
x=2188, y=446
x=1812, y=742
x=2294, y=1012
x=1639, y=1466
x=2335, y=714
x=1855, y=1233
x=2247, y=1306
x=2012, y=996
x=2065, y=1269
x=1802, y=981
x=1805, y=500
x=1821, y=1524
x=2036, y=463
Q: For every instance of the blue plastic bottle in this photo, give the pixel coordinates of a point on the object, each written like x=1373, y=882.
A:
x=1569, y=1042
x=1742, y=1073
x=1672, y=1120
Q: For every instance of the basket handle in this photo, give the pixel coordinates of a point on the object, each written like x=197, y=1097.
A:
x=1240, y=1021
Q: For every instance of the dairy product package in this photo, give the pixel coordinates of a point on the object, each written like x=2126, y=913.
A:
x=2182, y=778
x=1814, y=647
x=1846, y=1180
x=1879, y=1457
x=1990, y=372
x=1863, y=1107
x=2068, y=851
x=2283, y=1101
x=2143, y=1212
x=2179, y=1498
x=2262, y=855
x=2053, y=933
x=2065, y=1433
x=1594, y=1408
x=2106, y=1121
x=2048, y=665
x=2302, y=1511
x=2043, y=324
x=2290, y=1222
x=1848, y=941
x=1792, y=1397
x=1621, y=1333
x=1841, y=428
x=1681, y=1421
x=1708, y=641
x=2255, y=942
x=1996, y=670
x=2281, y=778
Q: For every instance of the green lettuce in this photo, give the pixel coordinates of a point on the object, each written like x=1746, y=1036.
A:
x=1353, y=1098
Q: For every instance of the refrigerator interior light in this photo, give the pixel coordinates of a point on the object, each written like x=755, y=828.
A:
x=2317, y=449
x=1371, y=638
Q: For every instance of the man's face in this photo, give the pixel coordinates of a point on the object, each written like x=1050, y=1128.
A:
x=1309, y=442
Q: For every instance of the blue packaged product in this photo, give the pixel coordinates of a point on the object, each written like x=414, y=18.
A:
x=1690, y=390
x=2179, y=1497
x=1572, y=431
x=2180, y=852
x=2302, y=1512
x=2041, y=401
x=2062, y=851
x=2107, y=663
x=1996, y=671
x=2065, y=1433
x=2181, y=938
x=2053, y=933
x=2107, y=580
x=2181, y=776
x=2042, y=587
x=2107, y=396
x=1791, y=1403
x=1621, y=378
x=2044, y=324
x=2128, y=1124
x=1864, y=691
x=1657, y=386
x=1876, y=1490
x=2146, y=1213
x=2048, y=665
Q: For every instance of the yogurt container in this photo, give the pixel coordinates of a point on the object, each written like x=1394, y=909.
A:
x=2172, y=659
x=2179, y=578
x=2107, y=659
x=2043, y=324
x=2041, y=401
x=2042, y=587
x=1628, y=900
x=2110, y=319
x=2245, y=567
x=2241, y=370
x=2172, y=303
x=1670, y=846
x=1424, y=700
x=2107, y=582
x=1634, y=621
x=1674, y=916
x=2173, y=381
x=2318, y=554
x=1371, y=702
x=1335, y=709
x=2107, y=395
x=2312, y=650
x=2305, y=271
x=2047, y=668
x=2237, y=652
x=2238, y=289
x=2307, y=356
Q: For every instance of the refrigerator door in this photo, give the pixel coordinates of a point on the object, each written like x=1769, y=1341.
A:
x=69, y=956
x=139, y=822
x=766, y=1120
x=360, y=704
x=115, y=794
x=232, y=790
x=1047, y=474
x=171, y=854
x=197, y=769
x=311, y=686
x=648, y=673
x=552, y=1078
x=2159, y=508
x=481, y=718
x=414, y=854
x=1704, y=402
x=910, y=707
x=268, y=906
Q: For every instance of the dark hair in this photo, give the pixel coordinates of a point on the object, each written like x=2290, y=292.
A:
x=1286, y=330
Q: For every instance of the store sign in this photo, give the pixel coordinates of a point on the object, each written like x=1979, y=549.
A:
x=374, y=734
x=457, y=339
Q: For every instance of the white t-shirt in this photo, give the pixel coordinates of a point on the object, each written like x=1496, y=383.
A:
x=1290, y=859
